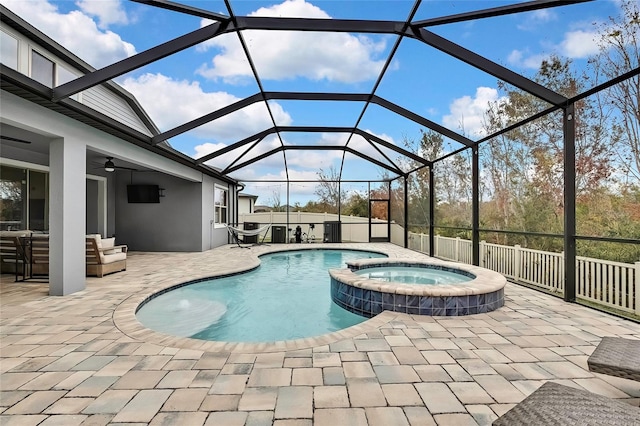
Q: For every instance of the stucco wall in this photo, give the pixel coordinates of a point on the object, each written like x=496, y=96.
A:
x=171, y=225
x=212, y=235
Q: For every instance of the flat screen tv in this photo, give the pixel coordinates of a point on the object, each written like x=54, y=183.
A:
x=143, y=193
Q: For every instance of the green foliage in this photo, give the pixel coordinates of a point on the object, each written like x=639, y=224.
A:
x=357, y=205
x=318, y=207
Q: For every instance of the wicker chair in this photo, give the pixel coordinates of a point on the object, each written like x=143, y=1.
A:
x=618, y=357
x=558, y=405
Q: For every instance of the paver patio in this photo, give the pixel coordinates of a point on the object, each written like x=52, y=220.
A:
x=83, y=359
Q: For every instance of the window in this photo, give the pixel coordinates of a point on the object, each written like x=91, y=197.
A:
x=23, y=199
x=13, y=197
x=8, y=50
x=38, y=200
x=220, y=203
x=65, y=76
x=42, y=69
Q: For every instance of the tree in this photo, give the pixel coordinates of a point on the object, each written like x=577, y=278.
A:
x=620, y=53
x=452, y=186
x=274, y=200
x=379, y=206
x=525, y=166
x=328, y=189
x=429, y=147
x=12, y=203
x=357, y=205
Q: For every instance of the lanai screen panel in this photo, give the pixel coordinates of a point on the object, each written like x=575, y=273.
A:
x=398, y=55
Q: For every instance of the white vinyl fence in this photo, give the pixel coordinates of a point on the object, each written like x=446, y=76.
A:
x=612, y=284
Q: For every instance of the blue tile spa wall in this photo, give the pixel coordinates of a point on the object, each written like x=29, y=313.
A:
x=369, y=303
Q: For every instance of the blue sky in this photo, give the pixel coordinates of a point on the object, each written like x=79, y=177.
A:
x=213, y=74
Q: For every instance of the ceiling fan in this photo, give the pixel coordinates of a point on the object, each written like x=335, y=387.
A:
x=109, y=166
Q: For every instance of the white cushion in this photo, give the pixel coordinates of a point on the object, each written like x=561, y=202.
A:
x=108, y=243
x=110, y=258
x=106, y=250
x=98, y=239
x=24, y=233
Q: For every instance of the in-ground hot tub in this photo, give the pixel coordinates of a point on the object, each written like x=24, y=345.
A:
x=478, y=290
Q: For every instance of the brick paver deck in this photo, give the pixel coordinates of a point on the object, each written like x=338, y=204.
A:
x=84, y=359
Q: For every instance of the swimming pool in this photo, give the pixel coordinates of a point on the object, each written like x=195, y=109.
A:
x=287, y=297
x=413, y=275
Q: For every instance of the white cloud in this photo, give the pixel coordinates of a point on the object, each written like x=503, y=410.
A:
x=576, y=44
x=273, y=182
x=171, y=103
x=282, y=55
x=225, y=160
x=382, y=136
x=579, y=44
x=208, y=148
x=536, y=18
x=298, y=191
x=543, y=15
x=314, y=160
x=302, y=164
x=515, y=57
x=74, y=30
x=467, y=113
x=525, y=59
x=359, y=144
x=108, y=12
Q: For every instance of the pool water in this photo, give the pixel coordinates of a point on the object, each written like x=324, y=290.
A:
x=407, y=275
x=287, y=297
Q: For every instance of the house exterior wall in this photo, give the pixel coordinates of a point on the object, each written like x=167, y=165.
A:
x=98, y=98
x=245, y=205
x=181, y=222
x=61, y=145
x=105, y=101
x=24, y=155
x=171, y=225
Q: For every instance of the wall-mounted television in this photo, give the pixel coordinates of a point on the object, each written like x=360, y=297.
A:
x=143, y=193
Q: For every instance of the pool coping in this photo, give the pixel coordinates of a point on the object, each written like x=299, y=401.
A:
x=124, y=315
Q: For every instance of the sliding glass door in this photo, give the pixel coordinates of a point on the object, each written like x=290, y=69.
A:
x=24, y=196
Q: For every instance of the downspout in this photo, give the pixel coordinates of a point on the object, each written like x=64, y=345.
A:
x=239, y=188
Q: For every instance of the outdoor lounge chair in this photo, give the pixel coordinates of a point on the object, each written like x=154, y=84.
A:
x=103, y=257
x=236, y=233
x=558, y=405
x=618, y=357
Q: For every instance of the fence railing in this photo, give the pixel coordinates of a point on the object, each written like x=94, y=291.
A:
x=612, y=284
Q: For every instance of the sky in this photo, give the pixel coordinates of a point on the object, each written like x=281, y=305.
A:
x=215, y=73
